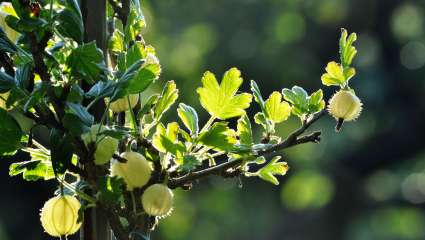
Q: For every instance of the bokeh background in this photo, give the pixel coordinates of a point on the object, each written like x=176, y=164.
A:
x=367, y=182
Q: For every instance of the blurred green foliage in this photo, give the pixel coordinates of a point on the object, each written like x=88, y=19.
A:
x=366, y=183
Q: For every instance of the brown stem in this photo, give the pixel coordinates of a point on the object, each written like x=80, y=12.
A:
x=292, y=140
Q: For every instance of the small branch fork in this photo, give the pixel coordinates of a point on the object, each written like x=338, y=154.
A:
x=293, y=139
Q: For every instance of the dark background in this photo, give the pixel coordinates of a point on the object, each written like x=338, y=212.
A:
x=367, y=182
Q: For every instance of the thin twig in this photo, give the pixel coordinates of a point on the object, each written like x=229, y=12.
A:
x=292, y=140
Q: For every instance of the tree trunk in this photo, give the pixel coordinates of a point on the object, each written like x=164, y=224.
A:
x=95, y=226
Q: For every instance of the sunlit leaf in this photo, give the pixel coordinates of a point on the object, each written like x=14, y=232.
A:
x=277, y=110
x=221, y=101
x=337, y=75
x=189, y=117
x=244, y=131
x=346, y=49
x=168, y=97
x=219, y=136
x=166, y=139
x=272, y=169
x=85, y=62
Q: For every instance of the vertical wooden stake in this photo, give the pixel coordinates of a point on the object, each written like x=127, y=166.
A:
x=95, y=226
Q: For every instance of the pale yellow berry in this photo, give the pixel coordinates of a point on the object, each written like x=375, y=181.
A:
x=121, y=105
x=345, y=106
x=105, y=145
x=136, y=172
x=157, y=200
x=59, y=216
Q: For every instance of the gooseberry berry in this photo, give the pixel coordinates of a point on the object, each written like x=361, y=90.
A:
x=136, y=172
x=344, y=106
x=157, y=200
x=59, y=216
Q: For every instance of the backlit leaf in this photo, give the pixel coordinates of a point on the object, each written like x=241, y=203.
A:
x=221, y=101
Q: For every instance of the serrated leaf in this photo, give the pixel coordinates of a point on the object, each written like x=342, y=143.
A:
x=136, y=79
x=257, y=94
x=135, y=22
x=70, y=25
x=244, y=131
x=116, y=43
x=275, y=109
x=165, y=139
x=101, y=89
x=316, y=102
x=189, y=117
x=346, y=49
x=273, y=168
x=32, y=170
x=298, y=97
x=168, y=97
x=81, y=112
x=10, y=133
x=221, y=101
x=219, y=136
x=188, y=163
x=86, y=62
x=336, y=75
x=260, y=118
x=150, y=103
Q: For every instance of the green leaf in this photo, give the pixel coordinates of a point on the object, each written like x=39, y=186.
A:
x=25, y=24
x=135, y=22
x=346, y=49
x=168, y=97
x=101, y=89
x=10, y=133
x=74, y=124
x=219, y=136
x=110, y=189
x=6, y=82
x=32, y=170
x=277, y=110
x=189, y=163
x=189, y=118
x=316, y=102
x=150, y=103
x=116, y=43
x=257, y=95
x=273, y=168
x=61, y=150
x=86, y=62
x=70, y=25
x=244, y=131
x=73, y=4
x=23, y=75
x=302, y=104
x=260, y=118
x=165, y=140
x=298, y=97
x=81, y=112
x=6, y=44
x=220, y=100
x=136, y=79
x=337, y=75
x=37, y=95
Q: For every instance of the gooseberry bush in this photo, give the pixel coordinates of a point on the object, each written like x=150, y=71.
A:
x=82, y=113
